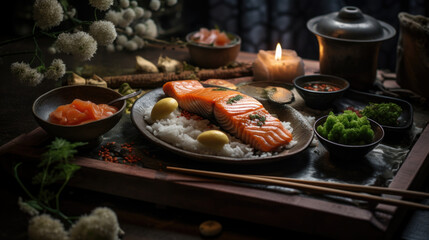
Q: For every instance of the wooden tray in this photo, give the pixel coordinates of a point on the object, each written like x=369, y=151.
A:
x=309, y=214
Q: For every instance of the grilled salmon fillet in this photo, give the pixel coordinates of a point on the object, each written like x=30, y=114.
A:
x=237, y=113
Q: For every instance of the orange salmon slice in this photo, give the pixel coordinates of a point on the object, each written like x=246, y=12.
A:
x=260, y=129
x=202, y=101
x=79, y=112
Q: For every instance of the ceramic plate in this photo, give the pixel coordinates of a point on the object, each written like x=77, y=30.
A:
x=302, y=131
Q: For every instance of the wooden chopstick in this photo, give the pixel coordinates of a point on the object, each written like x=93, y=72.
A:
x=354, y=187
x=300, y=186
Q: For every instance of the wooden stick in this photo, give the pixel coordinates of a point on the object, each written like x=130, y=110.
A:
x=300, y=186
x=150, y=80
x=355, y=187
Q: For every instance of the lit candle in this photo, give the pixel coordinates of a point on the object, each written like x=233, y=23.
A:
x=281, y=65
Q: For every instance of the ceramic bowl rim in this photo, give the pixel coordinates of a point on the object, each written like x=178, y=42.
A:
x=192, y=43
x=38, y=99
x=320, y=75
x=376, y=142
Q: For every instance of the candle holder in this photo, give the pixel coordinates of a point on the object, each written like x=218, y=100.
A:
x=284, y=67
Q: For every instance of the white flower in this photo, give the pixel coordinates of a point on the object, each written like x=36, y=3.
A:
x=125, y=18
x=25, y=207
x=124, y=3
x=119, y=47
x=123, y=23
x=131, y=46
x=110, y=48
x=129, y=31
x=140, y=29
x=47, y=13
x=139, y=12
x=106, y=214
x=113, y=17
x=102, y=223
x=71, y=13
x=155, y=5
x=102, y=5
x=147, y=14
x=25, y=74
x=139, y=41
x=44, y=227
x=121, y=40
x=134, y=3
x=52, y=50
x=103, y=32
x=129, y=14
x=79, y=44
x=171, y=2
x=56, y=70
x=151, y=29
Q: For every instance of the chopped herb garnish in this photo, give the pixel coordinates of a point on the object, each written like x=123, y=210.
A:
x=258, y=117
x=219, y=89
x=234, y=99
x=192, y=76
x=55, y=169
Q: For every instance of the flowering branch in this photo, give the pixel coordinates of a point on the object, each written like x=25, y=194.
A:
x=55, y=166
x=132, y=22
x=38, y=51
x=35, y=204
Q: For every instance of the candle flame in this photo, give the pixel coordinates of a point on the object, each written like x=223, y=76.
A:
x=278, y=55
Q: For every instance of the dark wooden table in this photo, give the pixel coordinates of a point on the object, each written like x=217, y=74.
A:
x=139, y=219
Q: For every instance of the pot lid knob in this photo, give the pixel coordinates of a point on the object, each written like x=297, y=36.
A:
x=350, y=13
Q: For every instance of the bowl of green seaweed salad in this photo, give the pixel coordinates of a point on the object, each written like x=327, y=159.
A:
x=393, y=114
x=383, y=113
x=348, y=135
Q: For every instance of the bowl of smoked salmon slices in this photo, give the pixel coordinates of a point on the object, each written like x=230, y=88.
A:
x=78, y=112
x=212, y=48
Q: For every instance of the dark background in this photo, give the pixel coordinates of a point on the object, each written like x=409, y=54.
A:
x=260, y=23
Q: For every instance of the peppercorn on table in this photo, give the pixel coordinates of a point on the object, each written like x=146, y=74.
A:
x=155, y=203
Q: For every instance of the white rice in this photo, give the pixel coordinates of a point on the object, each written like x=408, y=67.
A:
x=181, y=132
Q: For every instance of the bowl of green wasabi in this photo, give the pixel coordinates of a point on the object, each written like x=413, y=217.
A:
x=348, y=136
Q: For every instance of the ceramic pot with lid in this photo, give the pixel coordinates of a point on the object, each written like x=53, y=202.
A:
x=349, y=43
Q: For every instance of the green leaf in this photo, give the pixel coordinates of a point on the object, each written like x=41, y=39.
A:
x=70, y=169
x=34, y=204
x=45, y=196
x=65, y=4
x=55, y=166
x=38, y=178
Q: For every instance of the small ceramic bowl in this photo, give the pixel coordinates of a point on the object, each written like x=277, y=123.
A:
x=320, y=99
x=48, y=102
x=207, y=56
x=349, y=151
